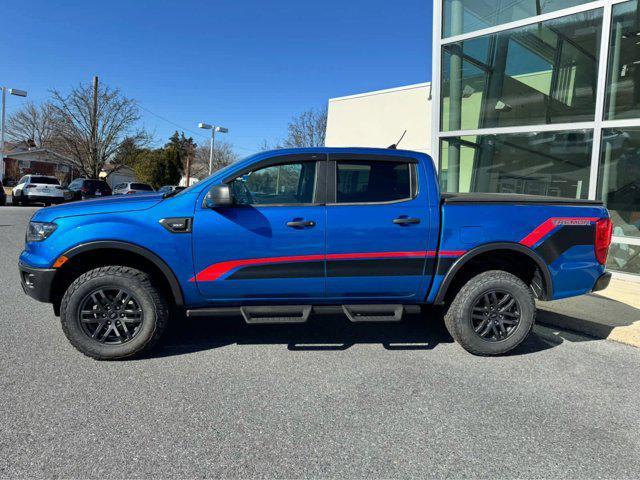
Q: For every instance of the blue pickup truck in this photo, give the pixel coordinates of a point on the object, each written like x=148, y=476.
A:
x=282, y=235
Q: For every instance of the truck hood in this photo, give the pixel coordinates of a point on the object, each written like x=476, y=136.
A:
x=111, y=204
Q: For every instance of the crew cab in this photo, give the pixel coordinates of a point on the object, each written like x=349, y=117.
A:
x=287, y=234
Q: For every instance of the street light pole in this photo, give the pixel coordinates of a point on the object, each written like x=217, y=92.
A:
x=4, y=98
x=213, y=129
x=18, y=93
x=213, y=141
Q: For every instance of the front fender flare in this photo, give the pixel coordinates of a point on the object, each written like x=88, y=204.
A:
x=176, y=290
x=516, y=247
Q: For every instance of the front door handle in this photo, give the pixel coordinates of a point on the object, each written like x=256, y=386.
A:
x=301, y=224
x=406, y=221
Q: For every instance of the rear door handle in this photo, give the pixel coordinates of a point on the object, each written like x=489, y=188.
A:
x=301, y=224
x=406, y=221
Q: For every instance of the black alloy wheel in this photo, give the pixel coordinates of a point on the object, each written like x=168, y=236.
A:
x=111, y=315
x=495, y=315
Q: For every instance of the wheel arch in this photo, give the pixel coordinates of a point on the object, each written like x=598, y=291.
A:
x=464, y=263
x=87, y=255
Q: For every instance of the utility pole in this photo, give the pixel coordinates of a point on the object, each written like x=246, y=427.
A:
x=188, y=166
x=94, y=128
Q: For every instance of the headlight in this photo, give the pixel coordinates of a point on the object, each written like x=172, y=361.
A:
x=39, y=231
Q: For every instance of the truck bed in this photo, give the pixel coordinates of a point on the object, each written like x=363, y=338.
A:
x=510, y=198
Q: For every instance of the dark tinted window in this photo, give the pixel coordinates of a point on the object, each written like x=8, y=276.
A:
x=365, y=182
x=141, y=186
x=97, y=185
x=45, y=180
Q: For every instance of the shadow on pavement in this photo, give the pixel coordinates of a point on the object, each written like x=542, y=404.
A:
x=320, y=333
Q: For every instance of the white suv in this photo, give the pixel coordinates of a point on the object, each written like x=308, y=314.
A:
x=37, y=188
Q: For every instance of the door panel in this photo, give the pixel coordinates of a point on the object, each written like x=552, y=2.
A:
x=250, y=253
x=271, y=244
x=376, y=249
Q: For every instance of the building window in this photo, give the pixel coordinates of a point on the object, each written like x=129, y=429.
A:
x=623, y=81
x=464, y=16
x=619, y=179
x=542, y=73
x=552, y=163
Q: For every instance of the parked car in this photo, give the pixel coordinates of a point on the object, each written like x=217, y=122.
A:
x=170, y=189
x=3, y=195
x=37, y=189
x=129, y=188
x=85, y=188
x=285, y=234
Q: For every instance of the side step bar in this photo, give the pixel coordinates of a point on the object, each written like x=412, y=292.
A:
x=281, y=314
x=373, y=313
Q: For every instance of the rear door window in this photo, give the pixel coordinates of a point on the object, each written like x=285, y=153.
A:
x=373, y=181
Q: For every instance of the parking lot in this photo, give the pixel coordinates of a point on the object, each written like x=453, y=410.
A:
x=327, y=399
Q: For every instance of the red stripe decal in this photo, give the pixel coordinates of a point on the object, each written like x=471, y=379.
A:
x=217, y=270
x=543, y=229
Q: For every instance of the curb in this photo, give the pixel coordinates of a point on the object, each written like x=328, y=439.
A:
x=627, y=334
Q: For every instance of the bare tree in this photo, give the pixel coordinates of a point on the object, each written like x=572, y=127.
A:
x=91, y=124
x=32, y=123
x=307, y=129
x=223, y=155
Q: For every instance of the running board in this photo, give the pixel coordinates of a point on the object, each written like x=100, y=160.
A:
x=276, y=314
x=373, y=313
x=280, y=314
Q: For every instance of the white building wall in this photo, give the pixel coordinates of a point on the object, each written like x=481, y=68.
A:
x=377, y=119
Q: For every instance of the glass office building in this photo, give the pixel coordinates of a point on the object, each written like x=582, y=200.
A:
x=542, y=97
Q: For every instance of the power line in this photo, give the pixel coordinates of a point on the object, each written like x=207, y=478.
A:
x=198, y=134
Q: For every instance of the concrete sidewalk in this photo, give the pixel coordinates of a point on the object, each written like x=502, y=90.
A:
x=613, y=314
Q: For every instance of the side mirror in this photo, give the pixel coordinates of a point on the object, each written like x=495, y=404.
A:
x=219, y=196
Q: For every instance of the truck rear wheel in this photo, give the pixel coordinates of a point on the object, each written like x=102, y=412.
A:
x=492, y=313
x=113, y=312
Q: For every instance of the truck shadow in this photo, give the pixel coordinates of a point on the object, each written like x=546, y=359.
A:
x=321, y=333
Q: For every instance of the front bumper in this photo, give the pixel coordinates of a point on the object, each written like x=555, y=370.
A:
x=37, y=282
x=602, y=282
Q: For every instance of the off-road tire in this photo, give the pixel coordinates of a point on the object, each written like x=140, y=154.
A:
x=154, y=306
x=458, y=317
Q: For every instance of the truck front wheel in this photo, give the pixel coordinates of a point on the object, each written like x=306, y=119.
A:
x=492, y=313
x=113, y=312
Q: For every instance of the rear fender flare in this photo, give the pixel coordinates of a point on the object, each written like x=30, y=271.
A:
x=516, y=247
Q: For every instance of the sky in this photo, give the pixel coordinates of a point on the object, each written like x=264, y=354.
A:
x=248, y=65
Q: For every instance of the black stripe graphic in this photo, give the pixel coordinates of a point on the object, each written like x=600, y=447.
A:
x=563, y=239
x=336, y=268
x=280, y=270
x=375, y=268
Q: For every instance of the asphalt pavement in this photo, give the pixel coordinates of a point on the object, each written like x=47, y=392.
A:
x=328, y=399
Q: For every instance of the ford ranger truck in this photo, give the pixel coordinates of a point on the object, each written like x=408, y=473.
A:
x=282, y=235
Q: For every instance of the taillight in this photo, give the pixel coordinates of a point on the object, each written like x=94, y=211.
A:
x=604, y=229
x=85, y=190
x=30, y=186
x=130, y=192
